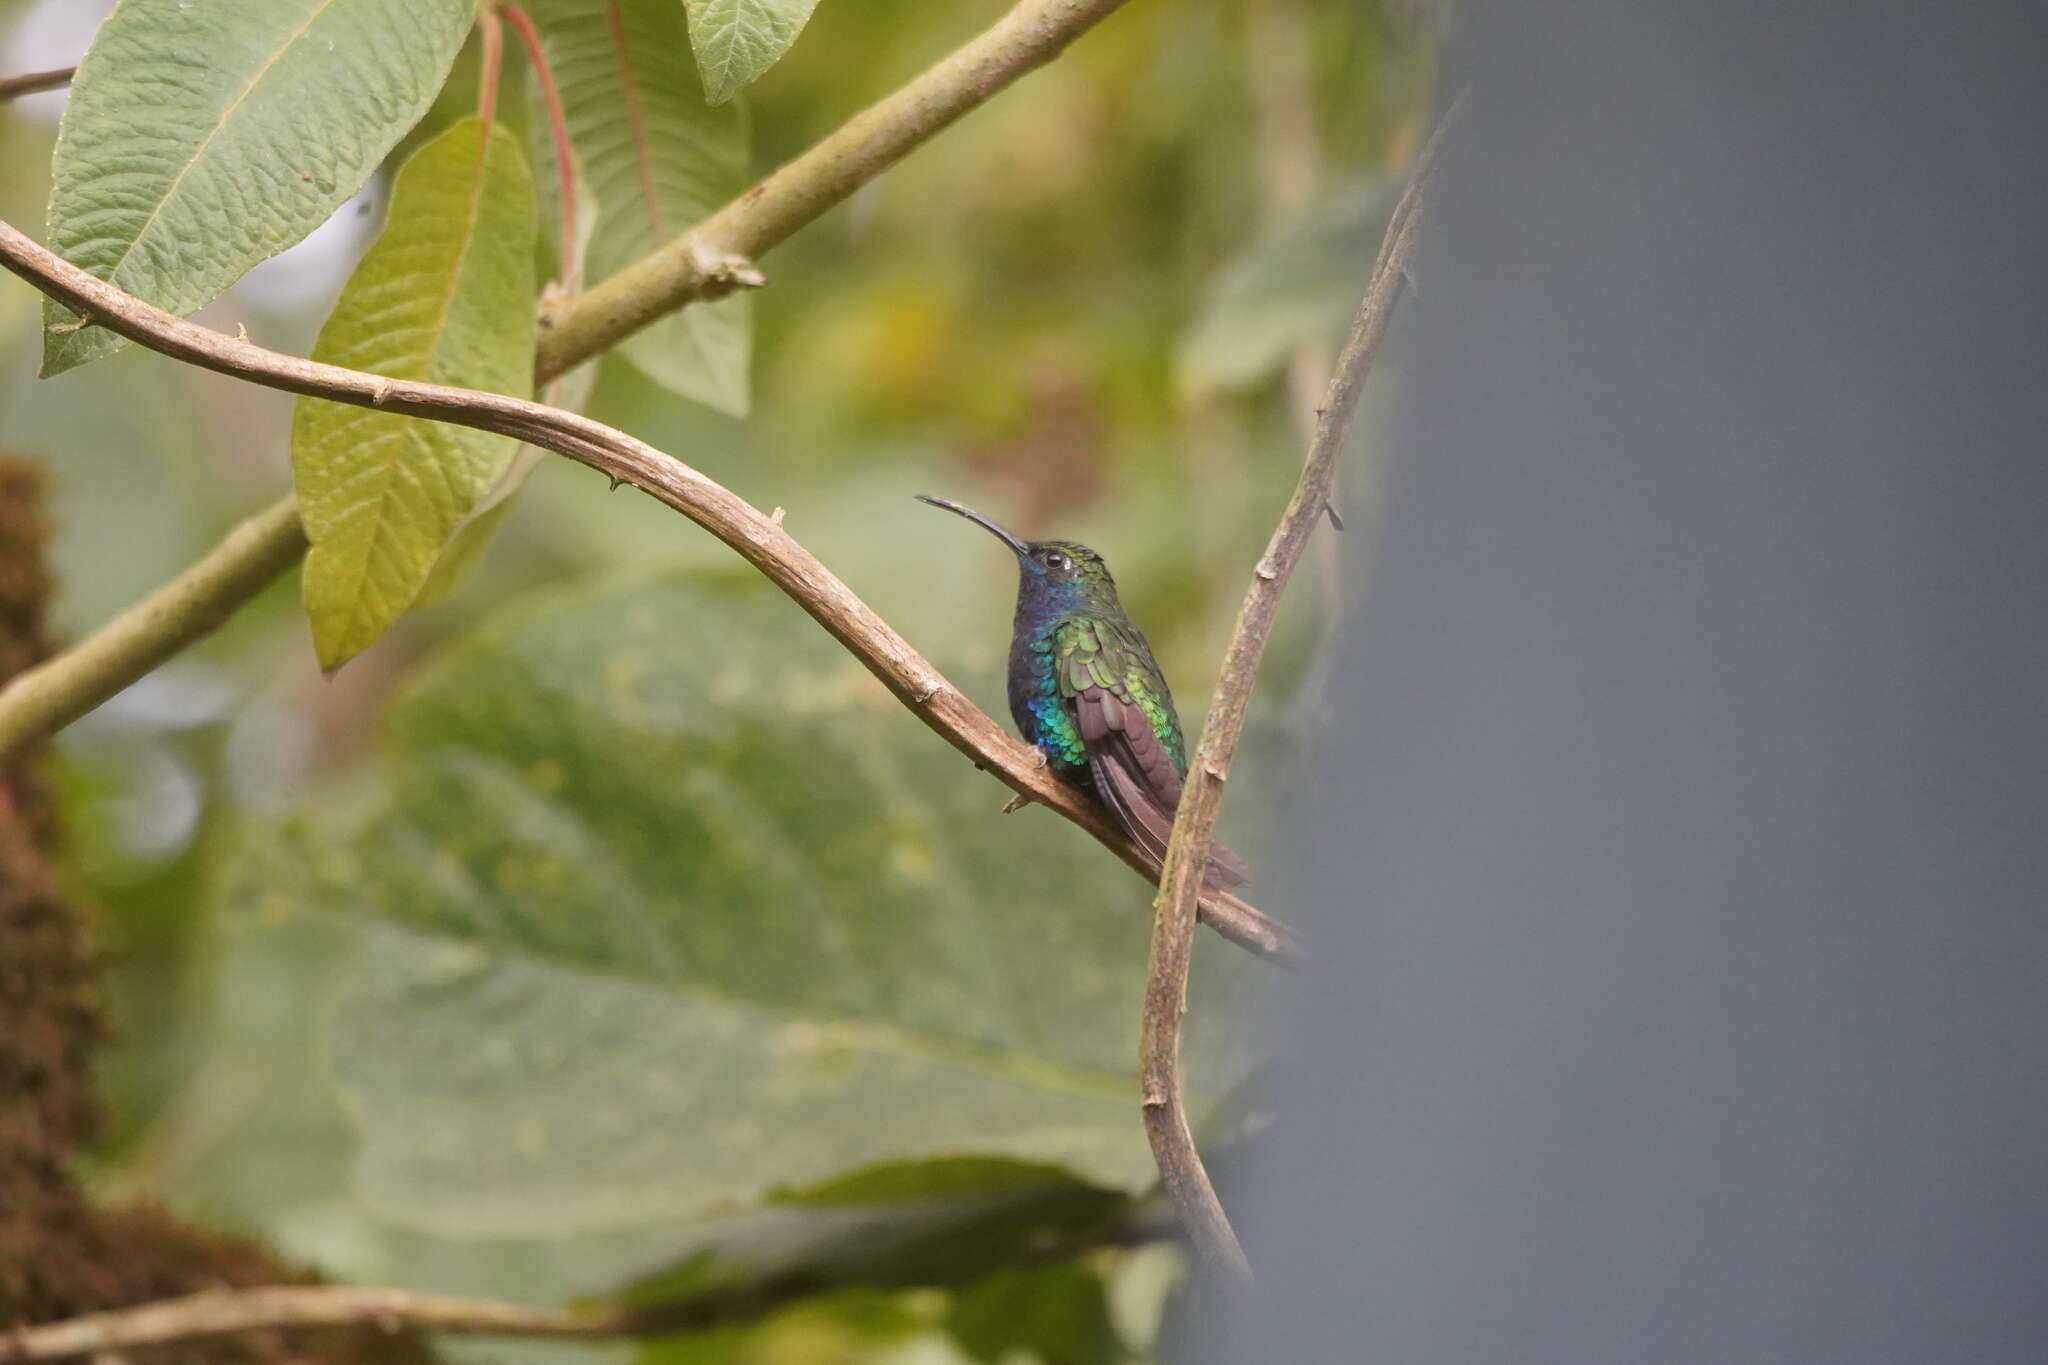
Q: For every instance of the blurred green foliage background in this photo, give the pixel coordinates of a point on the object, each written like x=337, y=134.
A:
x=1090, y=309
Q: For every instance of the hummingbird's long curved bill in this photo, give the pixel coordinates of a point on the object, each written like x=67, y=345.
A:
x=1022, y=547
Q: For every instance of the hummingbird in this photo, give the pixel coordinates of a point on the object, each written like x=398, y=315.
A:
x=1087, y=692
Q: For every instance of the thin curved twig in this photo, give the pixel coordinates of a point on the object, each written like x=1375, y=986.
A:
x=35, y=82
x=222, y=1312
x=1166, y=983
x=757, y=538
x=712, y=258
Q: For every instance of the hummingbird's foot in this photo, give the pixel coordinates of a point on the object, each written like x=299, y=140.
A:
x=1020, y=800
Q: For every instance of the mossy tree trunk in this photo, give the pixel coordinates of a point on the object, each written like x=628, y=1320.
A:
x=60, y=1254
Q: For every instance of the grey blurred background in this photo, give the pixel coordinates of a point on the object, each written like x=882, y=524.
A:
x=1679, y=880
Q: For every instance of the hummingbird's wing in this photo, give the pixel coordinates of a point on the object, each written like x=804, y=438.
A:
x=1120, y=704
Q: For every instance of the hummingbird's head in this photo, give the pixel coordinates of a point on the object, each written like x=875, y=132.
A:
x=1065, y=561
x=1059, y=570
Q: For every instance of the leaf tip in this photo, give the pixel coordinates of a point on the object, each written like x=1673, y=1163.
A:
x=68, y=349
x=331, y=656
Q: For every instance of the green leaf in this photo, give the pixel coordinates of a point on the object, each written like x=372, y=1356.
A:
x=737, y=40
x=898, y=1182
x=684, y=910
x=1060, y=1312
x=944, y=1236
x=657, y=160
x=472, y=535
x=845, y=1327
x=1299, y=286
x=203, y=138
x=444, y=295
x=465, y=548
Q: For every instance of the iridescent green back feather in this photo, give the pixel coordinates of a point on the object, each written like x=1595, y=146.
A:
x=1097, y=651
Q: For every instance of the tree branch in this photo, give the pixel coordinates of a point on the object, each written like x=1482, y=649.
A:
x=702, y=263
x=35, y=82
x=569, y=264
x=757, y=538
x=222, y=1312
x=1166, y=984
x=42, y=700
x=698, y=264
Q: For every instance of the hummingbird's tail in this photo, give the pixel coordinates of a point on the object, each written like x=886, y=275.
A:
x=1131, y=780
x=1226, y=870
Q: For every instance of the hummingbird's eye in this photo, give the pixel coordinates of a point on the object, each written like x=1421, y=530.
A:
x=1055, y=560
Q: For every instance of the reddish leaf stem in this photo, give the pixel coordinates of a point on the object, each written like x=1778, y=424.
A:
x=558, y=132
x=493, y=34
